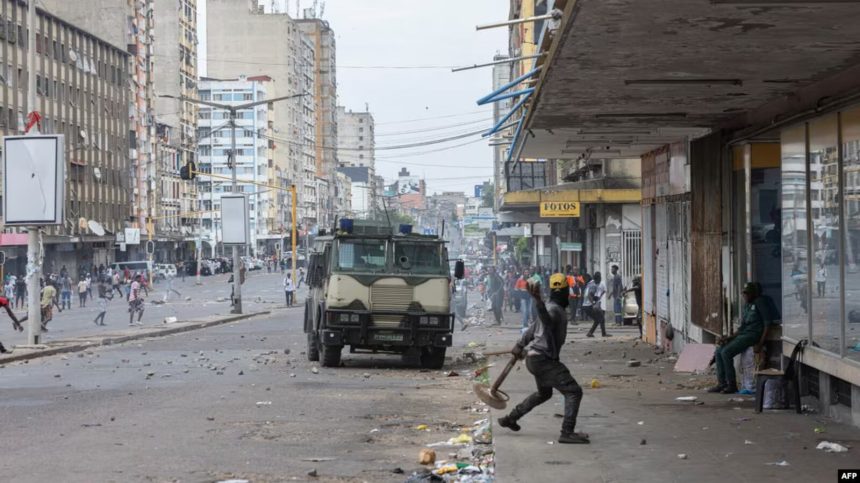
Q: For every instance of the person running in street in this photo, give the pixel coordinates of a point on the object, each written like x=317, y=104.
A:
x=135, y=301
x=49, y=299
x=289, y=289
x=82, y=293
x=301, y=277
x=541, y=345
x=89, y=280
x=616, y=290
x=593, y=304
x=105, y=295
x=16, y=324
x=169, y=288
x=9, y=288
x=65, y=292
x=115, y=280
x=496, y=287
x=521, y=289
x=20, y=291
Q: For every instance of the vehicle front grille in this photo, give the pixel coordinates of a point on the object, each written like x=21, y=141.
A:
x=390, y=297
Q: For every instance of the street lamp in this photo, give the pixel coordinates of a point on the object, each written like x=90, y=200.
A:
x=232, y=110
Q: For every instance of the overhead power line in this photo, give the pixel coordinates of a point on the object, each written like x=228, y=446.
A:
x=447, y=116
x=429, y=151
x=392, y=67
x=430, y=129
x=379, y=148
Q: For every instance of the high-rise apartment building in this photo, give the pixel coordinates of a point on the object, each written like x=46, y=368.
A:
x=272, y=44
x=356, y=142
x=161, y=132
x=175, y=51
x=322, y=38
x=253, y=160
x=81, y=92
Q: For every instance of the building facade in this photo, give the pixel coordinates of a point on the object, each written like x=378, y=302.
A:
x=361, y=191
x=82, y=92
x=322, y=38
x=233, y=52
x=744, y=178
x=253, y=161
x=159, y=41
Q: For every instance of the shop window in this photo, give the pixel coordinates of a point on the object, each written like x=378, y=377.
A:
x=851, y=166
x=824, y=181
x=795, y=299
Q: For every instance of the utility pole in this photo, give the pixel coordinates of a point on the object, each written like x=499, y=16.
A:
x=34, y=255
x=237, y=271
x=294, y=233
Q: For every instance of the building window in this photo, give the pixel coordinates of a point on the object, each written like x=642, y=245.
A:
x=823, y=177
x=850, y=125
x=817, y=254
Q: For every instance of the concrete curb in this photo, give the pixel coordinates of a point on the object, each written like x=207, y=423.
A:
x=82, y=344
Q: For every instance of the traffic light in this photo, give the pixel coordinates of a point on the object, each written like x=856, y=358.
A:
x=188, y=172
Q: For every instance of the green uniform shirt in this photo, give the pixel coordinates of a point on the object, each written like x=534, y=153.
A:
x=753, y=320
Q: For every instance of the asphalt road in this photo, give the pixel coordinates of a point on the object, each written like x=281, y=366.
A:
x=224, y=402
x=261, y=291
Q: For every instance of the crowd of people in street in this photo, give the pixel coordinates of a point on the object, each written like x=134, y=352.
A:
x=506, y=289
x=56, y=292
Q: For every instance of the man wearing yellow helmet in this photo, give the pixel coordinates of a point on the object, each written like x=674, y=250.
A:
x=541, y=345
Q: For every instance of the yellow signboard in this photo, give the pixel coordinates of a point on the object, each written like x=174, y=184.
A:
x=559, y=209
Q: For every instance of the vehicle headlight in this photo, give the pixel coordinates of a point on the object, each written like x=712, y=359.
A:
x=430, y=320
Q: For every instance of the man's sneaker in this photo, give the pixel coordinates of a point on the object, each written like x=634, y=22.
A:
x=717, y=388
x=589, y=335
x=730, y=389
x=508, y=422
x=574, y=438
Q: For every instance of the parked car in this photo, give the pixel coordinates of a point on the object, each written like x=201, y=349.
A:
x=164, y=270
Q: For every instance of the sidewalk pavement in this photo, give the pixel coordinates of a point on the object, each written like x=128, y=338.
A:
x=639, y=430
x=63, y=346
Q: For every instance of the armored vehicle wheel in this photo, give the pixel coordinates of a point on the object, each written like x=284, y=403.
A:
x=313, y=351
x=331, y=355
x=433, y=357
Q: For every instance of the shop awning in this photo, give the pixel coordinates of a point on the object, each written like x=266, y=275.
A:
x=13, y=239
x=531, y=199
x=622, y=77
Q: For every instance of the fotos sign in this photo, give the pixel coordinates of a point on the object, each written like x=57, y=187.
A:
x=559, y=209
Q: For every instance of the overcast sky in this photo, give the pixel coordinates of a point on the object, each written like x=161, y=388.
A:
x=397, y=33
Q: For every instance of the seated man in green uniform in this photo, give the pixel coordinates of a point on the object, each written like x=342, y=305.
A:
x=755, y=322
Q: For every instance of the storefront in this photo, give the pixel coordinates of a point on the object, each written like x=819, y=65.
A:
x=820, y=245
